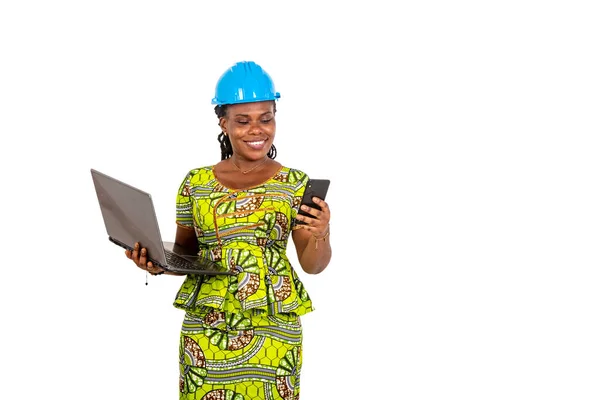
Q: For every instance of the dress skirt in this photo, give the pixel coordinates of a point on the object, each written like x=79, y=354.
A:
x=230, y=356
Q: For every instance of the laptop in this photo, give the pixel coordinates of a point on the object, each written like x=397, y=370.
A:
x=129, y=217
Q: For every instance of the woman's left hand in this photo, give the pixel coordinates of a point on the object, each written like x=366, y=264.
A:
x=318, y=225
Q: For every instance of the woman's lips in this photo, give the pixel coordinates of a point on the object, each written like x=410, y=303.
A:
x=256, y=144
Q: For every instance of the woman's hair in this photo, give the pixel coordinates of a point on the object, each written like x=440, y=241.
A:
x=226, y=149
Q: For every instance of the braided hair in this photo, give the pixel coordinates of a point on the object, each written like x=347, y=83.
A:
x=226, y=149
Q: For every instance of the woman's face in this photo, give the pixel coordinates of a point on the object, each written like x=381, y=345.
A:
x=250, y=128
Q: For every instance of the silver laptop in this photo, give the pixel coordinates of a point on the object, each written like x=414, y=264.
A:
x=129, y=217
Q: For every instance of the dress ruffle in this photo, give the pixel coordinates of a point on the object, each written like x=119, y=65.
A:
x=254, y=287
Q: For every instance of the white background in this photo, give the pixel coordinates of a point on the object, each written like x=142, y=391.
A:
x=461, y=141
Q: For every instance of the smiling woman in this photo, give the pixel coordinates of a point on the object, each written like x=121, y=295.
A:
x=248, y=131
x=241, y=337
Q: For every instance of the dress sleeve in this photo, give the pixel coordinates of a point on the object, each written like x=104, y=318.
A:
x=184, y=215
x=299, y=188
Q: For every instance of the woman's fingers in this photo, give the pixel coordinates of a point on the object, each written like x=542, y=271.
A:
x=323, y=204
x=317, y=225
x=153, y=269
x=312, y=211
x=313, y=225
x=139, y=255
x=323, y=213
x=143, y=259
x=135, y=253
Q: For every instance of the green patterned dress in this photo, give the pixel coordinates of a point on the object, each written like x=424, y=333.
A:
x=241, y=337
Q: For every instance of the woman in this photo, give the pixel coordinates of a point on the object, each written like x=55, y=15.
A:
x=241, y=336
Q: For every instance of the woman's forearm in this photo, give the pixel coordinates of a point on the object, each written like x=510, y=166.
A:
x=316, y=255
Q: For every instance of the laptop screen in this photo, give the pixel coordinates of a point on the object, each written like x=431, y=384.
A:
x=129, y=215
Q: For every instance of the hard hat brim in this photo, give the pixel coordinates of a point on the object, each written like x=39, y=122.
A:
x=274, y=97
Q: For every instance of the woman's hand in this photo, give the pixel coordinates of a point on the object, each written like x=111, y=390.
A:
x=140, y=258
x=319, y=225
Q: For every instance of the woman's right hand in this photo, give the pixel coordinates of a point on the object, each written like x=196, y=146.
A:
x=140, y=258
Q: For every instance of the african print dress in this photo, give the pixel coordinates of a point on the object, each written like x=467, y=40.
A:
x=241, y=337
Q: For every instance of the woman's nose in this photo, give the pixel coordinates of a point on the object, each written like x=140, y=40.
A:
x=255, y=128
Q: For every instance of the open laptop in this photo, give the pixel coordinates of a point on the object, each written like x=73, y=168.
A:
x=129, y=217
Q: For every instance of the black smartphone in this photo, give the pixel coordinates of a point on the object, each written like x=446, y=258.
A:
x=314, y=188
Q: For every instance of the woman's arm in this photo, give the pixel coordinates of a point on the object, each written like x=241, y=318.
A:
x=312, y=240
x=186, y=238
x=314, y=254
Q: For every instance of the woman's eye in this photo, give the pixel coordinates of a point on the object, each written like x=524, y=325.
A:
x=242, y=122
x=266, y=121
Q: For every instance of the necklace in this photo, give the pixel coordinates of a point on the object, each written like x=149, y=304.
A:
x=256, y=166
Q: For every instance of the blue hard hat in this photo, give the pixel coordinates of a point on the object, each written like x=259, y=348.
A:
x=245, y=82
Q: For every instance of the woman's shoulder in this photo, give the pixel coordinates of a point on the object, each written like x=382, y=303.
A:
x=200, y=174
x=293, y=175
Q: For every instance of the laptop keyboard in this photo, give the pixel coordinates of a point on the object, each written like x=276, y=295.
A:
x=176, y=261
x=180, y=262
